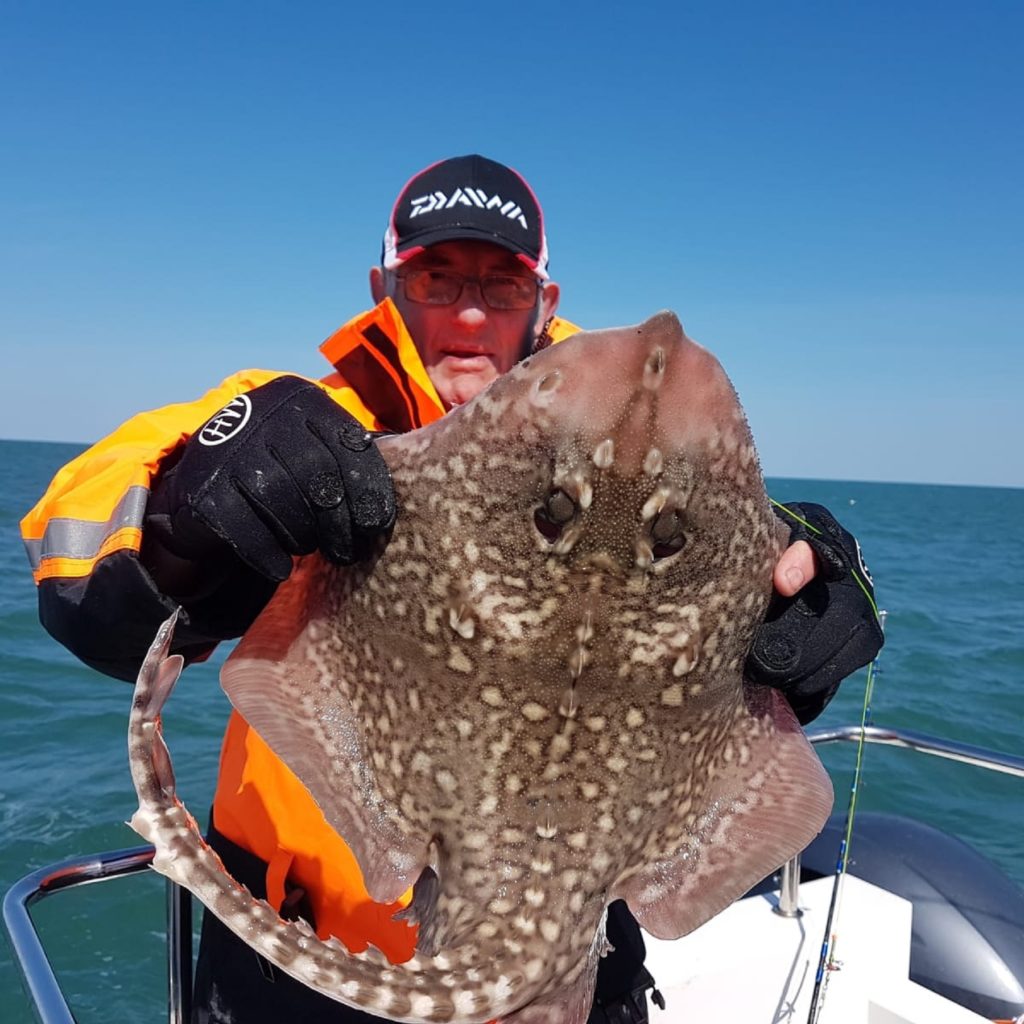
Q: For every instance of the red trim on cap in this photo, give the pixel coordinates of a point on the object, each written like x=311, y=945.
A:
x=407, y=254
x=523, y=258
x=536, y=202
x=405, y=188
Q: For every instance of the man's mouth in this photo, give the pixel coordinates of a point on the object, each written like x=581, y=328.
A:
x=466, y=351
x=467, y=359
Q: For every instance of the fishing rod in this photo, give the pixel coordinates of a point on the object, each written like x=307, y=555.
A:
x=826, y=960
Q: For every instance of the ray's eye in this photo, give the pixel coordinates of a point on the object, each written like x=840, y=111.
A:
x=557, y=510
x=667, y=537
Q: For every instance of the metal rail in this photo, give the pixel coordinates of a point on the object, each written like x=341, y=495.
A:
x=922, y=743
x=37, y=973
x=908, y=739
x=51, y=1006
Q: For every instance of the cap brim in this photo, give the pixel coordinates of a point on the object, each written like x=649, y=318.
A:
x=414, y=246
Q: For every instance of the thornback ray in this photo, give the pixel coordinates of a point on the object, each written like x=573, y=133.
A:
x=530, y=702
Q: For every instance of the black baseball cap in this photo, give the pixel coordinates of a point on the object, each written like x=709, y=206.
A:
x=467, y=197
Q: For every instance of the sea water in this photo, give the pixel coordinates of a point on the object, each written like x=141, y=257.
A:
x=948, y=563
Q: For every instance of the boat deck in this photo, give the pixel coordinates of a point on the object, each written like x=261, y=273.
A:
x=761, y=966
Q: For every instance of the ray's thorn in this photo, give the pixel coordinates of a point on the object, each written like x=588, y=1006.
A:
x=604, y=454
x=654, y=369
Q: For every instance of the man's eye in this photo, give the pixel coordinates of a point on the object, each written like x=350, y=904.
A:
x=510, y=288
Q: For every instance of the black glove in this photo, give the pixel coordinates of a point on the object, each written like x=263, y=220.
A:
x=282, y=470
x=620, y=991
x=809, y=643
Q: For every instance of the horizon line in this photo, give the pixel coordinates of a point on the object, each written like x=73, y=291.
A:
x=767, y=476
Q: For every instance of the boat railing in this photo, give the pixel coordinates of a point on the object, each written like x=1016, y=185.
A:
x=41, y=984
x=965, y=753
x=921, y=742
x=51, y=1006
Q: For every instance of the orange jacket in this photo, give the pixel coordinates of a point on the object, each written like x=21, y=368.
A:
x=89, y=525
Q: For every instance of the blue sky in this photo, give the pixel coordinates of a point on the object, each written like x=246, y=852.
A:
x=829, y=195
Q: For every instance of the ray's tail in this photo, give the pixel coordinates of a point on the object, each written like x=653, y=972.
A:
x=442, y=988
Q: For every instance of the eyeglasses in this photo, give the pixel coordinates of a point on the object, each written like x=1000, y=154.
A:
x=443, y=287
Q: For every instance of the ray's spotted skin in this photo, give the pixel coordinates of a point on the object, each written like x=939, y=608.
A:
x=531, y=702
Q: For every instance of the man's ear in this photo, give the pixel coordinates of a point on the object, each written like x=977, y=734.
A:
x=378, y=284
x=549, y=296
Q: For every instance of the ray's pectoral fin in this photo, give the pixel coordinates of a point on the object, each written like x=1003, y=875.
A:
x=758, y=814
x=277, y=680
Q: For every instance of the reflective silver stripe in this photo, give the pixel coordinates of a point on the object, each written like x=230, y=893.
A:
x=78, y=538
x=32, y=549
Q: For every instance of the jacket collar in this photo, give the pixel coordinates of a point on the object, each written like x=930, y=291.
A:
x=376, y=357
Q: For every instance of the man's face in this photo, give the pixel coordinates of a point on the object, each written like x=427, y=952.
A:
x=467, y=344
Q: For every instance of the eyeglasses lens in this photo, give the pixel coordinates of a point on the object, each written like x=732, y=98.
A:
x=442, y=288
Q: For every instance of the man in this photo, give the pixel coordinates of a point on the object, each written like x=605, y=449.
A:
x=204, y=508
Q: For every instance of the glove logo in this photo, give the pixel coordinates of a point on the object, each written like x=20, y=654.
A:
x=863, y=567
x=227, y=423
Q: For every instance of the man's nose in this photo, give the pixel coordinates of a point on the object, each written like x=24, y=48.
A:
x=471, y=308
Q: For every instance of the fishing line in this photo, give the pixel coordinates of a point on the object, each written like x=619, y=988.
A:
x=826, y=960
x=853, y=572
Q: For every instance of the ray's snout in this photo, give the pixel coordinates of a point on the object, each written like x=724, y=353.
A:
x=627, y=390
